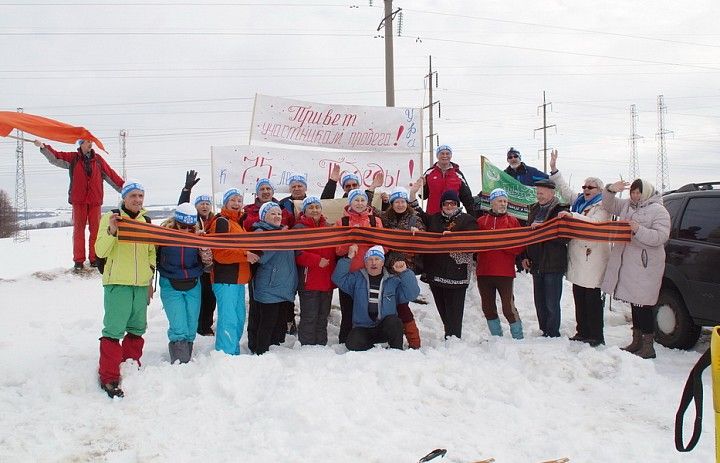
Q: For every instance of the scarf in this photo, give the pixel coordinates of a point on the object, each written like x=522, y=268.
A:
x=544, y=210
x=580, y=204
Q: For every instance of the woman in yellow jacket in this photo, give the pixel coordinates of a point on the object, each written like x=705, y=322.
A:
x=127, y=279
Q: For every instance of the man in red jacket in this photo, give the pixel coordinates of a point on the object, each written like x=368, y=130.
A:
x=496, y=269
x=445, y=175
x=87, y=172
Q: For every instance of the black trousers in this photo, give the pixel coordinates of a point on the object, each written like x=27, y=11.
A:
x=271, y=325
x=389, y=330
x=207, y=305
x=450, y=303
x=643, y=318
x=589, y=313
x=346, y=308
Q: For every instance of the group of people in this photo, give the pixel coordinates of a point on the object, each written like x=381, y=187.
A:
x=375, y=285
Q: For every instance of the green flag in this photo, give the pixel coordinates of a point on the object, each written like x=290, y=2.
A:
x=519, y=195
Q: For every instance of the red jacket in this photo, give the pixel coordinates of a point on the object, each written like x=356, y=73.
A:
x=437, y=183
x=252, y=215
x=500, y=263
x=84, y=188
x=356, y=219
x=311, y=276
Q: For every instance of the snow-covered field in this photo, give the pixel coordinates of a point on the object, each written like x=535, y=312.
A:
x=479, y=397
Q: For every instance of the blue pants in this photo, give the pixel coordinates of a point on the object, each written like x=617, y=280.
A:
x=182, y=309
x=547, y=289
x=230, y=317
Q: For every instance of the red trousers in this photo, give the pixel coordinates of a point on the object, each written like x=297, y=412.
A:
x=83, y=214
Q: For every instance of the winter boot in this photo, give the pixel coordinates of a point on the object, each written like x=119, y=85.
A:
x=132, y=347
x=516, y=330
x=185, y=351
x=495, y=327
x=112, y=389
x=647, y=349
x=636, y=343
x=175, y=349
x=412, y=334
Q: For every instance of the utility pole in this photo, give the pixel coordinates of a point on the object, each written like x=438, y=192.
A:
x=634, y=166
x=544, y=129
x=429, y=106
x=663, y=174
x=20, y=189
x=123, y=151
x=389, y=62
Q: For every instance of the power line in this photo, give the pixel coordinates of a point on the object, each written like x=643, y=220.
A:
x=562, y=52
x=566, y=28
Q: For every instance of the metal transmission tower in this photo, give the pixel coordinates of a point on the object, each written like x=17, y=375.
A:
x=634, y=166
x=123, y=152
x=663, y=173
x=20, y=190
x=544, y=129
x=429, y=106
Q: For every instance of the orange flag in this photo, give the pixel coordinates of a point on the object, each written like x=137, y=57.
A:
x=45, y=128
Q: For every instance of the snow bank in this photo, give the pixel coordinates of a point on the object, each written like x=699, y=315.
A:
x=479, y=397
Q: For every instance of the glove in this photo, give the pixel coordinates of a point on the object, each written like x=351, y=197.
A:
x=191, y=179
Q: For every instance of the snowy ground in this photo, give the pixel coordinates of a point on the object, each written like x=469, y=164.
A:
x=478, y=397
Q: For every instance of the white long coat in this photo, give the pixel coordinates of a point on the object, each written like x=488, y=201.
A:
x=635, y=269
x=587, y=260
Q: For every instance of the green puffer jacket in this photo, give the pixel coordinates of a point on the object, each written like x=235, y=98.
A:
x=130, y=264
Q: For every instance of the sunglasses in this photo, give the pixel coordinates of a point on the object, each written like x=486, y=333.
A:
x=352, y=186
x=513, y=156
x=447, y=203
x=183, y=226
x=586, y=187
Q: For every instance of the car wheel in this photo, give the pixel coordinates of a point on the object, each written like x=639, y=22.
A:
x=674, y=327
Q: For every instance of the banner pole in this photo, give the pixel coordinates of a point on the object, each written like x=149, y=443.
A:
x=252, y=119
x=20, y=138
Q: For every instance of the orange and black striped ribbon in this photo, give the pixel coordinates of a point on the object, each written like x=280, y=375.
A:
x=399, y=240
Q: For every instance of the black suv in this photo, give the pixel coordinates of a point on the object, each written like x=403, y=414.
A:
x=690, y=293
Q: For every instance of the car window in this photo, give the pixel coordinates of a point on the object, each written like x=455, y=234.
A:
x=673, y=207
x=701, y=220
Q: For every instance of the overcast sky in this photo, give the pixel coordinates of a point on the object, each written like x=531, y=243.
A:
x=181, y=76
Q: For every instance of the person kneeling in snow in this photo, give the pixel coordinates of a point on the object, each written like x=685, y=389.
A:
x=127, y=279
x=375, y=295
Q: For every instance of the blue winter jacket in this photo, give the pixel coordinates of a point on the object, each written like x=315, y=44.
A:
x=177, y=263
x=276, y=276
x=526, y=175
x=394, y=290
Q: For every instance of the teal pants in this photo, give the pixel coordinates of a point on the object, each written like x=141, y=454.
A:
x=125, y=310
x=182, y=309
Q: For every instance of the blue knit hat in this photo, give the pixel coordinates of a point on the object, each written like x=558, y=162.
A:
x=310, y=200
x=186, y=214
x=442, y=148
x=265, y=208
x=355, y=193
x=203, y=199
x=261, y=182
x=399, y=193
x=498, y=193
x=514, y=151
x=129, y=186
x=347, y=177
x=297, y=178
x=80, y=141
x=375, y=251
x=229, y=194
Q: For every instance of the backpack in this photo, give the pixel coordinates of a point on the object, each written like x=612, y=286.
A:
x=100, y=261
